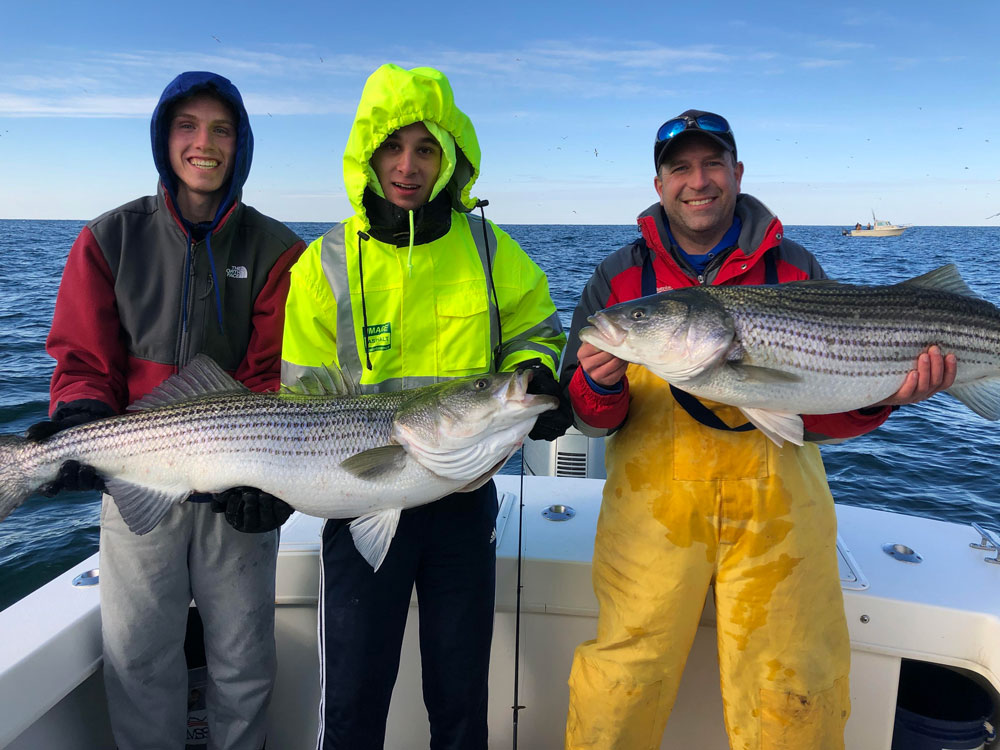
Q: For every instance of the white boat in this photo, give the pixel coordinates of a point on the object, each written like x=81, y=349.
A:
x=878, y=228
x=915, y=590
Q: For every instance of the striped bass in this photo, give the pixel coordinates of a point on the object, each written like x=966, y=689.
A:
x=810, y=347
x=324, y=449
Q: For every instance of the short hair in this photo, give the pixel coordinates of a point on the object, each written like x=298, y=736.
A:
x=210, y=92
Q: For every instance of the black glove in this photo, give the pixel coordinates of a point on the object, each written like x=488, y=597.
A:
x=553, y=423
x=68, y=415
x=73, y=477
x=250, y=510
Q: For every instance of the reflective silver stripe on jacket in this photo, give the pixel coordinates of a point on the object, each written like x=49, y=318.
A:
x=547, y=329
x=333, y=256
x=486, y=245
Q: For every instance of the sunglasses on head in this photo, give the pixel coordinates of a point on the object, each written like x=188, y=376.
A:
x=708, y=123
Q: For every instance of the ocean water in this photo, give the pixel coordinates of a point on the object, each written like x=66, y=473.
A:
x=936, y=459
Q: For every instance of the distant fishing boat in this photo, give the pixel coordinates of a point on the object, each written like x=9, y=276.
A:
x=875, y=228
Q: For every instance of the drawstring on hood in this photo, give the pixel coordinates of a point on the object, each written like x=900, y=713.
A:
x=364, y=307
x=409, y=254
x=182, y=87
x=493, y=289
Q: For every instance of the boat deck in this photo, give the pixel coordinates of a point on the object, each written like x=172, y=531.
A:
x=945, y=610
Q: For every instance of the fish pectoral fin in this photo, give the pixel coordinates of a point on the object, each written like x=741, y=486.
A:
x=762, y=375
x=373, y=534
x=376, y=463
x=982, y=396
x=777, y=425
x=142, y=508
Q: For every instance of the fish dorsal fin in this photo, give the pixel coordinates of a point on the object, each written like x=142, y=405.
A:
x=326, y=380
x=812, y=283
x=200, y=377
x=943, y=279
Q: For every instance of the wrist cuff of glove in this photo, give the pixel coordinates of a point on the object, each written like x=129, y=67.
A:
x=82, y=410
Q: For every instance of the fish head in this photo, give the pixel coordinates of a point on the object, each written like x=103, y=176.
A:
x=679, y=334
x=462, y=428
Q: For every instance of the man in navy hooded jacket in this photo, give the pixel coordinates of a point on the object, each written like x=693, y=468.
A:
x=146, y=287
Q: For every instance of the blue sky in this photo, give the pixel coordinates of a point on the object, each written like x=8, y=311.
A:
x=838, y=109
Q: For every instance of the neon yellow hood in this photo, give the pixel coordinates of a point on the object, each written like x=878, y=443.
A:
x=393, y=98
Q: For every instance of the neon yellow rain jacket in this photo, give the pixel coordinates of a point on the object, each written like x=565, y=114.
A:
x=427, y=309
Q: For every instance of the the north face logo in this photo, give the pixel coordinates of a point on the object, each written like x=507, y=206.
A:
x=236, y=272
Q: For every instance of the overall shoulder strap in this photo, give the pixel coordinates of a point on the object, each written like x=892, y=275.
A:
x=694, y=407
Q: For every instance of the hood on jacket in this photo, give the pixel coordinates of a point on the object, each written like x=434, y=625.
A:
x=186, y=85
x=393, y=98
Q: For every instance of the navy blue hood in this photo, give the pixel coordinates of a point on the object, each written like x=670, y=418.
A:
x=185, y=85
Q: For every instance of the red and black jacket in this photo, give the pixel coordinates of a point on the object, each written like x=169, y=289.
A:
x=144, y=289
x=119, y=326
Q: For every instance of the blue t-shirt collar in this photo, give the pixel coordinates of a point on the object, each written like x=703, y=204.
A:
x=700, y=262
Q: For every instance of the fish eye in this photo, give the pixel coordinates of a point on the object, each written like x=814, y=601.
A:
x=481, y=384
x=638, y=314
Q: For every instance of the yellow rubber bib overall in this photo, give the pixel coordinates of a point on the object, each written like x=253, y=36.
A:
x=685, y=507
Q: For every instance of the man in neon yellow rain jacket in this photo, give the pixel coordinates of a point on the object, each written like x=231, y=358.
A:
x=689, y=502
x=413, y=289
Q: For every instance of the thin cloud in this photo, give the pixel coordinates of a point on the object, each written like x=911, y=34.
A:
x=275, y=105
x=840, y=45
x=76, y=106
x=816, y=63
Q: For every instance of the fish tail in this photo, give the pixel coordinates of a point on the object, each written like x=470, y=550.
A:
x=15, y=484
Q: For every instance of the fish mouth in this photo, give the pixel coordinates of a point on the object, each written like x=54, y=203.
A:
x=517, y=388
x=602, y=330
x=517, y=392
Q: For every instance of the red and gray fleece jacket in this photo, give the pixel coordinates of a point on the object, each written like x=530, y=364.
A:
x=145, y=290
x=619, y=278
x=123, y=321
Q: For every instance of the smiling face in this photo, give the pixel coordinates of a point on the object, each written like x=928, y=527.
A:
x=698, y=183
x=202, y=146
x=407, y=164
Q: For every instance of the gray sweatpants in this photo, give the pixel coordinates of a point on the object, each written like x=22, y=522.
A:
x=147, y=583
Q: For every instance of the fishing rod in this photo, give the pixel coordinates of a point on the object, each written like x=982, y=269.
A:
x=517, y=605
